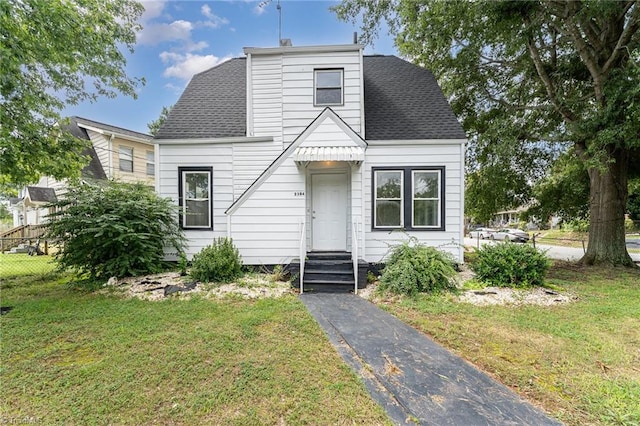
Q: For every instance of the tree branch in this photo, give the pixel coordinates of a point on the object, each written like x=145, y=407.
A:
x=548, y=84
x=625, y=36
x=514, y=107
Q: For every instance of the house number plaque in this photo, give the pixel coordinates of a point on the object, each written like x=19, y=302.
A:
x=298, y=194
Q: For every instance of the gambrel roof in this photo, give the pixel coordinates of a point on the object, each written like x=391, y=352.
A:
x=402, y=102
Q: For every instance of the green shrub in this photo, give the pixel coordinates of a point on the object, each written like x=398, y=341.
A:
x=114, y=229
x=629, y=225
x=511, y=265
x=219, y=262
x=576, y=225
x=414, y=268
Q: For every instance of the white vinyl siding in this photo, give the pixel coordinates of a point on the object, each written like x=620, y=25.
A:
x=235, y=167
x=265, y=97
x=381, y=154
x=266, y=228
x=282, y=92
x=298, y=82
x=216, y=156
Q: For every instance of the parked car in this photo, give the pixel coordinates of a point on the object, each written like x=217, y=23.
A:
x=510, y=234
x=481, y=233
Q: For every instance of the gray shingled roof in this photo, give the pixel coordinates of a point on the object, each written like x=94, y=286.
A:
x=94, y=169
x=402, y=101
x=214, y=105
x=39, y=194
x=110, y=128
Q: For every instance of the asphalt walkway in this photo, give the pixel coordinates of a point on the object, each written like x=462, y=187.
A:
x=414, y=379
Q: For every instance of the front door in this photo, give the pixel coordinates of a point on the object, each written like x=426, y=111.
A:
x=329, y=211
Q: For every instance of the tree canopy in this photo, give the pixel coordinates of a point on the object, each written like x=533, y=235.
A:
x=154, y=125
x=535, y=77
x=55, y=53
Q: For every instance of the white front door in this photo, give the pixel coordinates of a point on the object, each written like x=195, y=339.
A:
x=329, y=211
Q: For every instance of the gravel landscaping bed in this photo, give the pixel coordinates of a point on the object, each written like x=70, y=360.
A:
x=172, y=284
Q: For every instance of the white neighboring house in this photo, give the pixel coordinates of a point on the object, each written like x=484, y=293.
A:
x=297, y=150
x=115, y=153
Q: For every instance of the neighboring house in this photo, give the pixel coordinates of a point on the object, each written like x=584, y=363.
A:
x=115, y=153
x=296, y=150
x=507, y=217
x=124, y=155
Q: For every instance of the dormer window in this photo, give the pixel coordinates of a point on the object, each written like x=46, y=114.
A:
x=328, y=87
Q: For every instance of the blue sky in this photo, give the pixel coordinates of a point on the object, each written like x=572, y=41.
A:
x=181, y=38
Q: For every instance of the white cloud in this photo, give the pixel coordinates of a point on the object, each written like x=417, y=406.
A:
x=152, y=9
x=184, y=66
x=206, y=11
x=214, y=21
x=153, y=34
x=191, y=46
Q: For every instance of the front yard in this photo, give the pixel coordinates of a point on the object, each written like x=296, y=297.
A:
x=74, y=357
x=71, y=357
x=580, y=361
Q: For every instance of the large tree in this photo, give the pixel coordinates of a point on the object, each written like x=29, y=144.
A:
x=525, y=74
x=55, y=53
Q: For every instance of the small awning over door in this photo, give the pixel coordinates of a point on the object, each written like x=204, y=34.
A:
x=305, y=154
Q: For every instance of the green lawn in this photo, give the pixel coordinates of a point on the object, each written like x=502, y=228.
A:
x=16, y=265
x=557, y=237
x=70, y=357
x=580, y=361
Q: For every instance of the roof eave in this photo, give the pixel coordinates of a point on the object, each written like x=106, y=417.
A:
x=229, y=139
x=425, y=141
x=302, y=49
x=114, y=133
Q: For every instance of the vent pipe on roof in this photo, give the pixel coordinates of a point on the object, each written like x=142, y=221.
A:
x=355, y=37
x=285, y=42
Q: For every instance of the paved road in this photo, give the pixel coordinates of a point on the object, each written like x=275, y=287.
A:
x=558, y=252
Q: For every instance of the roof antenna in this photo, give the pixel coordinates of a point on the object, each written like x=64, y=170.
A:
x=279, y=8
x=281, y=42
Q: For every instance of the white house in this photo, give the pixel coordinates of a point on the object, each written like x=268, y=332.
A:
x=298, y=151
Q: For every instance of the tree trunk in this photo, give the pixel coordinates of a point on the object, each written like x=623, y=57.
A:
x=607, y=204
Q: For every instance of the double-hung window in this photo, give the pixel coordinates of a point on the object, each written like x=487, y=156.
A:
x=151, y=163
x=388, y=198
x=125, y=158
x=328, y=85
x=425, y=200
x=195, y=197
x=410, y=198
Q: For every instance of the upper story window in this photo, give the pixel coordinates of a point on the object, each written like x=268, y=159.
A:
x=328, y=85
x=151, y=164
x=125, y=156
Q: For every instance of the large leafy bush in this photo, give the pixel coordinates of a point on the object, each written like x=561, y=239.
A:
x=511, y=265
x=414, y=268
x=219, y=262
x=114, y=229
